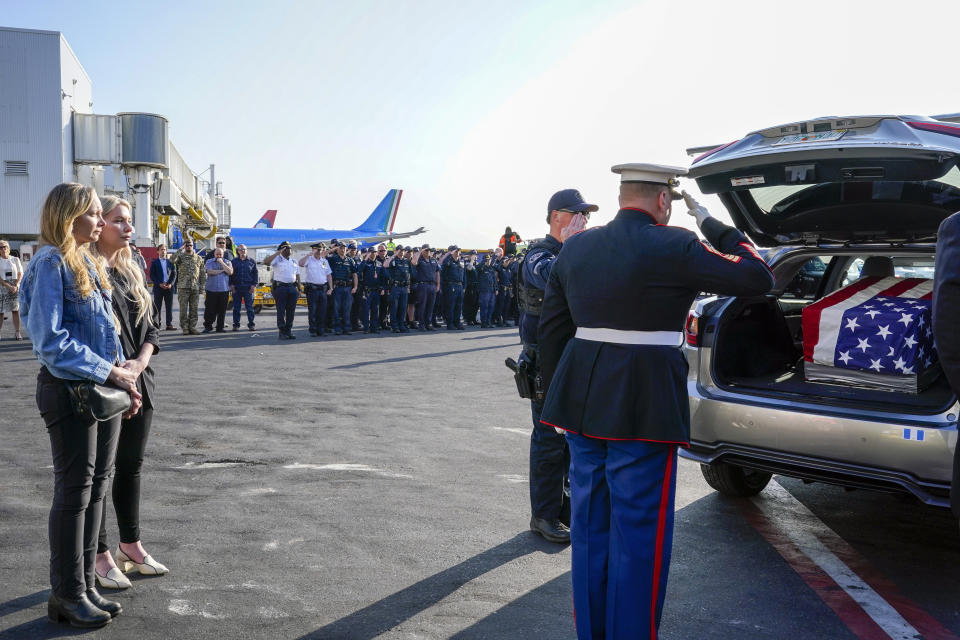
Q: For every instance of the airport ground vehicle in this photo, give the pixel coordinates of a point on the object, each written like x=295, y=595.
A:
x=263, y=297
x=833, y=191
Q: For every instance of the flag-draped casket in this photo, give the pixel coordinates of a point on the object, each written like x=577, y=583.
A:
x=875, y=332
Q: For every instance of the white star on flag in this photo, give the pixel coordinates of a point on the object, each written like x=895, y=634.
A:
x=875, y=365
x=929, y=331
x=888, y=304
x=890, y=355
x=920, y=322
x=873, y=313
x=908, y=369
x=868, y=306
x=898, y=309
x=920, y=353
x=898, y=363
x=884, y=332
x=910, y=341
x=906, y=319
x=863, y=345
x=845, y=357
x=852, y=324
x=928, y=362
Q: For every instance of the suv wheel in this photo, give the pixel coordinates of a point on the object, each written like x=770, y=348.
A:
x=735, y=481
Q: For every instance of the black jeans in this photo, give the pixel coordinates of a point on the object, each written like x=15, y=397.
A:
x=83, y=454
x=126, y=479
x=215, y=309
x=162, y=297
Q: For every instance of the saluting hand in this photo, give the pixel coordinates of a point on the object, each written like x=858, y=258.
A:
x=695, y=209
x=577, y=224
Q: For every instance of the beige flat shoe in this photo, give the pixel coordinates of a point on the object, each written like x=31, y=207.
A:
x=149, y=566
x=114, y=579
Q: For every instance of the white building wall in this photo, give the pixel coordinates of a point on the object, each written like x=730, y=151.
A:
x=36, y=69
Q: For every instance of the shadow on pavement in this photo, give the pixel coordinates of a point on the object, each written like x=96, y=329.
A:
x=438, y=354
x=545, y=612
x=383, y=615
x=38, y=627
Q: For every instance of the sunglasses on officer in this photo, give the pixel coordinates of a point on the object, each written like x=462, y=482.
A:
x=585, y=214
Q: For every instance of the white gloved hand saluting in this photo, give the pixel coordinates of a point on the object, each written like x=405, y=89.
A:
x=695, y=209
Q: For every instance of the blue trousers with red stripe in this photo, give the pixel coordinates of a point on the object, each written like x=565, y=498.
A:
x=621, y=533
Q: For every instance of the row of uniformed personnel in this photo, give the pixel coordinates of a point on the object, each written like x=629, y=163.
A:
x=410, y=288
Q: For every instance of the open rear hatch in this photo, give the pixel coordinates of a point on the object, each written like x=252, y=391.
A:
x=857, y=179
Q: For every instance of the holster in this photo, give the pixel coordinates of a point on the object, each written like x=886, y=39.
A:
x=526, y=374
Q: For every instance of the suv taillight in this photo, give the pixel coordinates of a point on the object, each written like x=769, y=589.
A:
x=946, y=129
x=691, y=330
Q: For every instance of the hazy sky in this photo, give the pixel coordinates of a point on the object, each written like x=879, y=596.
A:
x=481, y=110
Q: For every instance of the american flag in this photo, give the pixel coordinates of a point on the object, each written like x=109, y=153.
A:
x=880, y=325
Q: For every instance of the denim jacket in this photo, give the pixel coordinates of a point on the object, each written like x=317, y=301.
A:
x=73, y=337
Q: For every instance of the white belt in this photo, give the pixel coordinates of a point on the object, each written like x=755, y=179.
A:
x=617, y=336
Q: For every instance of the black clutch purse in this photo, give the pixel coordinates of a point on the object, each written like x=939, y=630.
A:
x=98, y=402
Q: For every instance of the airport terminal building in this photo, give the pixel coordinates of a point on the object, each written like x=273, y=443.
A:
x=50, y=134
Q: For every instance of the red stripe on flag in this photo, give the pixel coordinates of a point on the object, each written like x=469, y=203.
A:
x=832, y=594
x=810, y=317
x=901, y=287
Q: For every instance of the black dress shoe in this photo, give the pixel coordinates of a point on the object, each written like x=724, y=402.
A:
x=551, y=530
x=79, y=613
x=110, y=606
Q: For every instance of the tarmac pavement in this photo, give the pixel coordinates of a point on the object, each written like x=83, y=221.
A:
x=376, y=487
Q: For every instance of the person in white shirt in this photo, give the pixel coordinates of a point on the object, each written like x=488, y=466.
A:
x=318, y=277
x=286, y=288
x=11, y=272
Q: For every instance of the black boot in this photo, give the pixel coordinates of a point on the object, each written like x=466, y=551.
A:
x=110, y=606
x=79, y=613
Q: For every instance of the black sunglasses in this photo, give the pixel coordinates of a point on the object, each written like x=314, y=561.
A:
x=585, y=214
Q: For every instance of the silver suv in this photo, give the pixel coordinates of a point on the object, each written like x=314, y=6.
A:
x=823, y=196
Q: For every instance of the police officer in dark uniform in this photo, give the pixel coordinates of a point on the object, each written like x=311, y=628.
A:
x=344, y=286
x=487, y=281
x=426, y=274
x=614, y=309
x=471, y=295
x=452, y=278
x=397, y=272
x=567, y=213
x=357, y=302
x=371, y=284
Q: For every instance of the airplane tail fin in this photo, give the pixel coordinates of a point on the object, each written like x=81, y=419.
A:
x=267, y=220
x=383, y=217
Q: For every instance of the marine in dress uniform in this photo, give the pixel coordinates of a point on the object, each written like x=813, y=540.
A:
x=610, y=334
x=567, y=213
x=286, y=292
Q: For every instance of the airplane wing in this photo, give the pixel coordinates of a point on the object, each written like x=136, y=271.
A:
x=305, y=243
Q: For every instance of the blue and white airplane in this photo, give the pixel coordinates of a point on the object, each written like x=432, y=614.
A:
x=378, y=227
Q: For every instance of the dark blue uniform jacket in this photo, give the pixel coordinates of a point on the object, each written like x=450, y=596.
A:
x=399, y=272
x=486, y=277
x=634, y=275
x=452, y=271
x=371, y=274
x=426, y=270
x=946, y=322
x=343, y=268
x=535, y=273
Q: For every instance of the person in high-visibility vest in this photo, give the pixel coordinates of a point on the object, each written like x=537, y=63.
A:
x=508, y=242
x=390, y=245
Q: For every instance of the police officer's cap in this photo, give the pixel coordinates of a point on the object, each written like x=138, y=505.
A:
x=352, y=245
x=569, y=200
x=282, y=245
x=651, y=174
x=453, y=248
x=317, y=245
x=424, y=247
x=473, y=252
x=408, y=248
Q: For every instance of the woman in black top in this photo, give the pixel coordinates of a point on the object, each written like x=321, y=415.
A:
x=140, y=340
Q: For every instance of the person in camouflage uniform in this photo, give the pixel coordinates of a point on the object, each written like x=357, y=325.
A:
x=191, y=277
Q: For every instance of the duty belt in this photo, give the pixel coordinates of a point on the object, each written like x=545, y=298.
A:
x=278, y=283
x=342, y=283
x=618, y=336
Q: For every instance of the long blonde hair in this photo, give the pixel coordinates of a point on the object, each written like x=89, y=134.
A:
x=64, y=204
x=125, y=265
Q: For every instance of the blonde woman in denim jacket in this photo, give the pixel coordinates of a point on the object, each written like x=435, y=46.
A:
x=66, y=305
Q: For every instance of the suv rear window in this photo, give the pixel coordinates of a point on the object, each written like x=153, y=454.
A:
x=902, y=268
x=783, y=199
